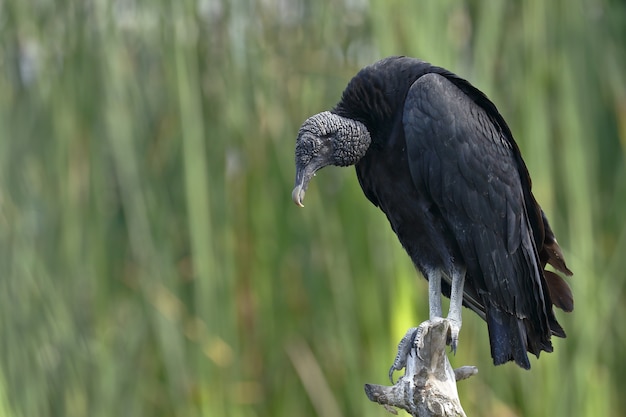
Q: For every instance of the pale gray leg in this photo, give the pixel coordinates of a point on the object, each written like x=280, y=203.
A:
x=413, y=336
x=434, y=294
x=456, y=304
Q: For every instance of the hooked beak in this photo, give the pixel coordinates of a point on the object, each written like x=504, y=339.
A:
x=304, y=173
x=303, y=176
x=297, y=195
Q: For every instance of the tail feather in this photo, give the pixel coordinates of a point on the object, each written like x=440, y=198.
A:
x=507, y=335
x=550, y=252
x=512, y=337
x=555, y=328
x=560, y=292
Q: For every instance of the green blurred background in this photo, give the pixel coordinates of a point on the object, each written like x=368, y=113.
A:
x=152, y=262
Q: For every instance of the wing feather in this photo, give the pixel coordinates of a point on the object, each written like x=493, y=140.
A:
x=471, y=171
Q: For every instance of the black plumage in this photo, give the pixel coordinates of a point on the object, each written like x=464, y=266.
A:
x=435, y=155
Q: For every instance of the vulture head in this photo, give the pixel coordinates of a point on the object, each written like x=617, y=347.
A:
x=327, y=139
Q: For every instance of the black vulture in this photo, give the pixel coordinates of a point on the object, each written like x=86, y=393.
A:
x=435, y=155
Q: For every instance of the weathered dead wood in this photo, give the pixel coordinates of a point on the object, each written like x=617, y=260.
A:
x=428, y=386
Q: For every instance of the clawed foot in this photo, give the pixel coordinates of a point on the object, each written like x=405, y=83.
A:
x=428, y=386
x=455, y=328
x=404, y=350
x=413, y=341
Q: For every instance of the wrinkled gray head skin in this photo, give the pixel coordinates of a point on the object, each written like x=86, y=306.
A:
x=327, y=139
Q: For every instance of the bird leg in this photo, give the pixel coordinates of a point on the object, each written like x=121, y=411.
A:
x=434, y=294
x=414, y=337
x=428, y=386
x=456, y=304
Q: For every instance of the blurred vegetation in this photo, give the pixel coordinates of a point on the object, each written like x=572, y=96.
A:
x=152, y=262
